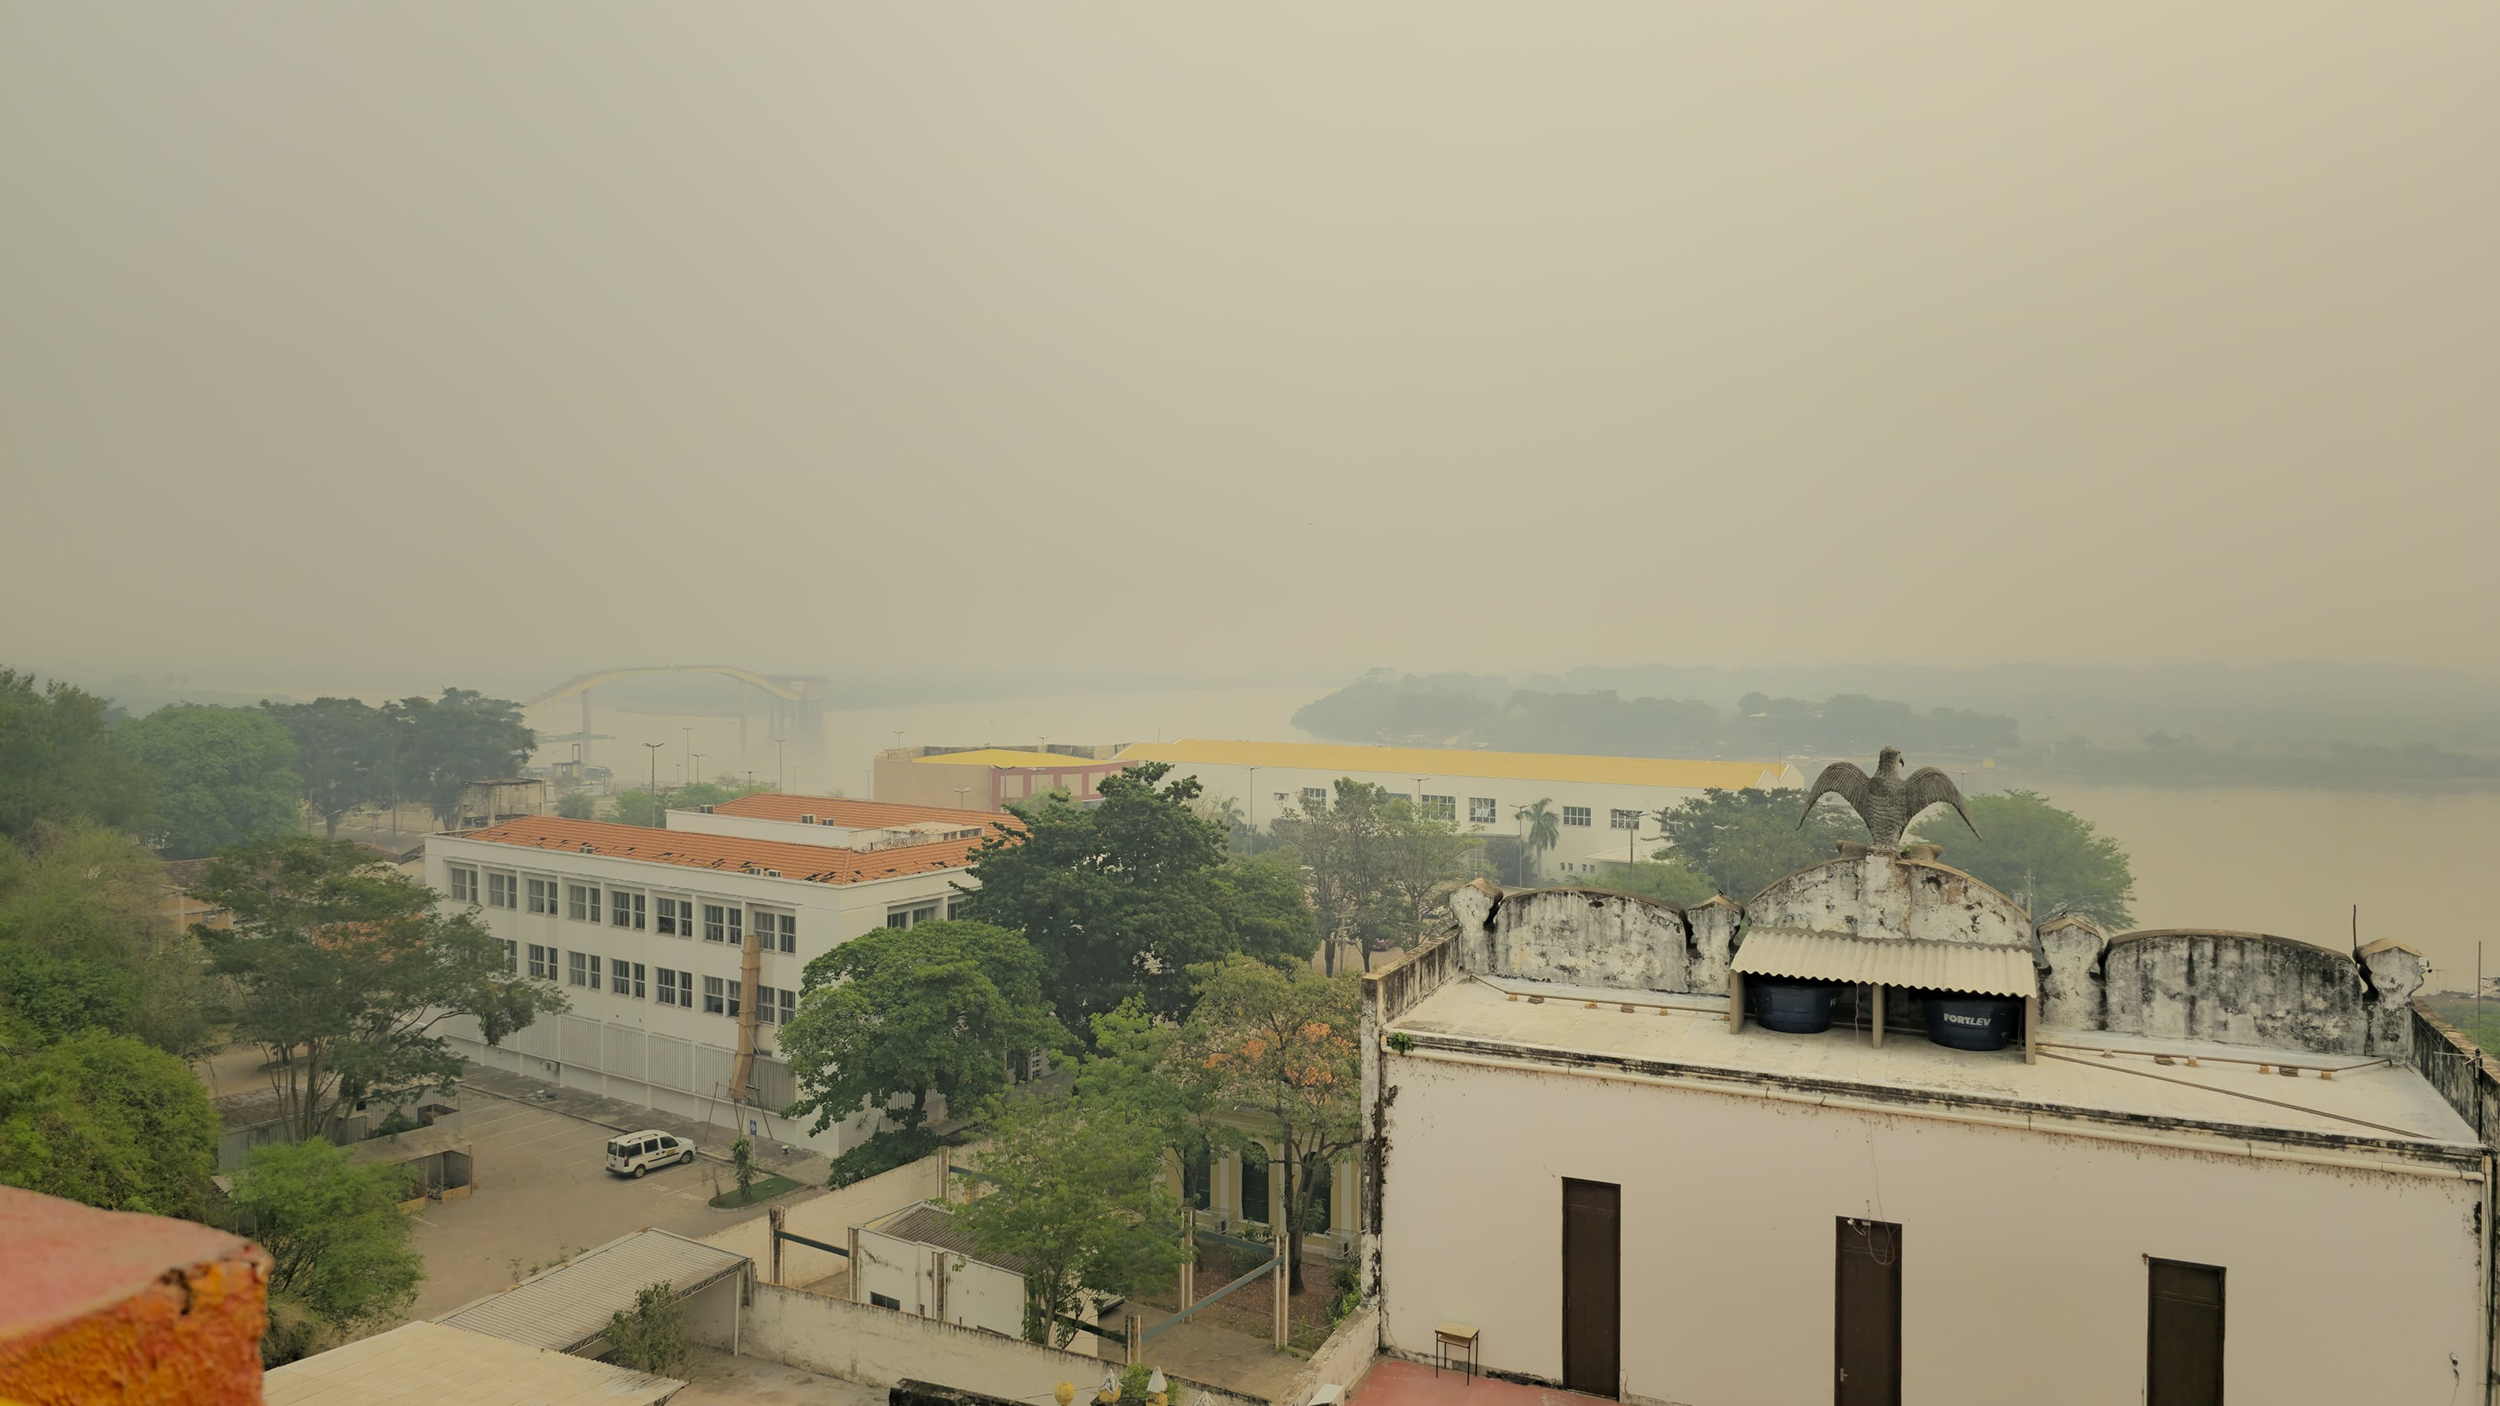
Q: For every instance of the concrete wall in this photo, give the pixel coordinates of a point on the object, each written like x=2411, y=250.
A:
x=880, y=1347
x=1900, y=898
x=829, y=1218
x=2024, y=1252
x=1589, y=937
x=2252, y=989
x=974, y=1295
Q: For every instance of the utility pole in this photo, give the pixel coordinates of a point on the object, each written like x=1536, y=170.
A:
x=657, y=816
x=776, y=763
x=698, y=769
x=960, y=802
x=1254, y=810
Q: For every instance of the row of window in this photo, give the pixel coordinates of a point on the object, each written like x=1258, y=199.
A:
x=1482, y=810
x=668, y=986
x=677, y=917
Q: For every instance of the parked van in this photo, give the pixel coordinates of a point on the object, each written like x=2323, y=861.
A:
x=636, y=1153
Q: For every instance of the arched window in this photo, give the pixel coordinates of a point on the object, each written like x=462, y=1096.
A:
x=1254, y=1184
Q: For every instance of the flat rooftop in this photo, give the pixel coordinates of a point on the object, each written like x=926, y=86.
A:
x=815, y=864
x=2085, y=1075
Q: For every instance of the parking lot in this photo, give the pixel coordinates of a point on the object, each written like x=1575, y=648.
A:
x=543, y=1193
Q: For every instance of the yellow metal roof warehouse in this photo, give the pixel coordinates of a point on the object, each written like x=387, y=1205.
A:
x=1451, y=761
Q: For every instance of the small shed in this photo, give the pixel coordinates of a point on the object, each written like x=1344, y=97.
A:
x=431, y=1364
x=918, y=1260
x=567, y=1308
x=440, y=1163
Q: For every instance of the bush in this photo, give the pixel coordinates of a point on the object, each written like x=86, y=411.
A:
x=650, y=1336
x=881, y=1153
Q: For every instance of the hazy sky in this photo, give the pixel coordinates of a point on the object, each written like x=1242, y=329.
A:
x=1236, y=337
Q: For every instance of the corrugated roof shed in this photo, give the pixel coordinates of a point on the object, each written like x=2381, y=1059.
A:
x=933, y=1225
x=431, y=1364
x=567, y=1306
x=1888, y=961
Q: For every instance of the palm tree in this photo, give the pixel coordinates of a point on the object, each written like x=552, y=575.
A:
x=1541, y=830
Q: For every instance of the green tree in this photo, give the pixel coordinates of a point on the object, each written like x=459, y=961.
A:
x=441, y=744
x=104, y=1119
x=1540, y=830
x=224, y=775
x=342, y=968
x=58, y=762
x=342, y=752
x=907, y=1013
x=577, y=805
x=644, y=807
x=1668, y=881
x=1742, y=841
x=1343, y=849
x=1132, y=1065
x=83, y=945
x=1079, y=1201
x=650, y=1336
x=1120, y=898
x=2053, y=860
x=338, y=1246
x=1282, y=1042
x=742, y=1167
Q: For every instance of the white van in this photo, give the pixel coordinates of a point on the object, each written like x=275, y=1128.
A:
x=635, y=1153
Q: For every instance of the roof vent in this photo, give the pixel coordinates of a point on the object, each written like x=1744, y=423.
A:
x=772, y=873
x=707, y=810
x=586, y=849
x=807, y=820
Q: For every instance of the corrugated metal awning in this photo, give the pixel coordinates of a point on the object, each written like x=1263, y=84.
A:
x=1888, y=961
x=567, y=1306
x=427, y=1364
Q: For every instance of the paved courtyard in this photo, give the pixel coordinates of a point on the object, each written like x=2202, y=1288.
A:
x=543, y=1193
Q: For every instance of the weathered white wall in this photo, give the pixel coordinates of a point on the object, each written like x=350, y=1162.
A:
x=976, y=1295
x=1589, y=937
x=880, y=1347
x=2023, y=1271
x=1873, y=896
x=829, y=1218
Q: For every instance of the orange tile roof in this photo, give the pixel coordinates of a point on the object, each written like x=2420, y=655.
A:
x=817, y=864
x=851, y=814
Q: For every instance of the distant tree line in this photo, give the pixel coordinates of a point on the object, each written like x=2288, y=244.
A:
x=1469, y=710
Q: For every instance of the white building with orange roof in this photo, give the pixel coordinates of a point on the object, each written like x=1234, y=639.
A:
x=672, y=943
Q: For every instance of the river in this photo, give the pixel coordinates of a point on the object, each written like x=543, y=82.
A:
x=2285, y=861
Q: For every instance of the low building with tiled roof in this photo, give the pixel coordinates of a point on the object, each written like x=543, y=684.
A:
x=645, y=931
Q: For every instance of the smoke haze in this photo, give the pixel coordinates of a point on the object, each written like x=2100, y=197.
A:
x=474, y=338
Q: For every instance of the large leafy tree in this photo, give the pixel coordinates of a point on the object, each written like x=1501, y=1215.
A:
x=2053, y=860
x=441, y=744
x=342, y=968
x=1741, y=841
x=1120, y=898
x=104, y=1119
x=1078, y=1201
x=342, y=752
x=1375, y=865
x=339, y=1257
x=1540, y=829
x=83, y=946
x=58, y=761
x=1281, y=1042
x=225, y=776
x=907, y=1013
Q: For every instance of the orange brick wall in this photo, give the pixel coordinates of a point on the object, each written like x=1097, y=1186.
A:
x=190, y=1338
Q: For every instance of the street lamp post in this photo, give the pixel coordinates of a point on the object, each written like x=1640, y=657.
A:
x=1254, y=810
x=698, y=768
x=654, y=749
x=960, y=802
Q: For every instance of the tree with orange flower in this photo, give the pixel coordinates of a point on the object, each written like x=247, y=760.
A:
x=1280, y=1041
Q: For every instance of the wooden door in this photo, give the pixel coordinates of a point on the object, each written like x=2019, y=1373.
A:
x=2183, y=1361
x=1592, y=1309
x=1867, y=1317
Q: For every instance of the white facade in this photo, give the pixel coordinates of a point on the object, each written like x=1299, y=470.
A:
x=628, y=1043
x=1607, y=805
x=898, y=1270
x=2023, y=1253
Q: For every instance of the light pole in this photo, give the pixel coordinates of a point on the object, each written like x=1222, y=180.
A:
x=698, y=768
x=960, y=802
x=1254, y=810
x=776, y=763
x=654, y=749
x=689, y=745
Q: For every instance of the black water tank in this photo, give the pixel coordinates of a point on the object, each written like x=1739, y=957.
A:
x=1961, y=1022
x=1790, y=1007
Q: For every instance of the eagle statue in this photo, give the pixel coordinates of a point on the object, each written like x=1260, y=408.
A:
x=1887, y=801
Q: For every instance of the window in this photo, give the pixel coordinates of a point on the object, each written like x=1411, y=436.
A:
x=673, y=925
x=723, y=924
x=737, y=936
x=1623, y=820
x=543, y=896
x=898, y=917
x=668, y=988
x=576, y=964
x=776, y=931
x=712, y=999
x=463, y=885
x=502, y=891
x=625, y=910
x=955, y=907
x=786, y=925
x=542, y=961
x=1575, y=815
x=1440, y=807
x=1315, y=798
x=1483, y=810
x=1254, y=1185
x=512, y=956
x=2183, y=1361
x=733, y=999
x=581, y=901
x=764, y=1006
x=789, y=1005
x=884, y=1300
x=625, y=978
